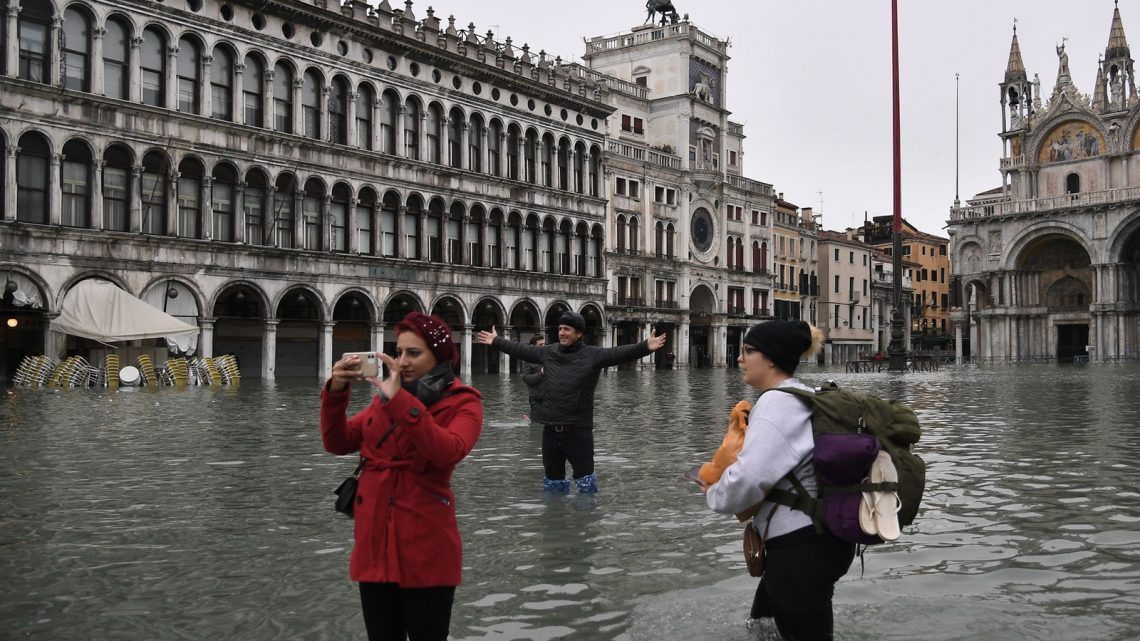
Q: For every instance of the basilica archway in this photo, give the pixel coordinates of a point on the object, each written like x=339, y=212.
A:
x=1054, y=271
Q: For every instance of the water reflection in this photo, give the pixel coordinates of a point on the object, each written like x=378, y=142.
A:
x=206, y=513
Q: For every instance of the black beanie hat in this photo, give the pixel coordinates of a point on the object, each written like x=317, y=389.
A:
x=573, y=319
x=781, y=341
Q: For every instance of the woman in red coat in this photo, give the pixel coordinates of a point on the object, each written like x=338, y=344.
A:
x=422, y=422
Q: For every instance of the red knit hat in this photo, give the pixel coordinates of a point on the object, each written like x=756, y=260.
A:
x=435, y=332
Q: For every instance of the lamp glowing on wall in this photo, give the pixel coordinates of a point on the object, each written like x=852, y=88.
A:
x=12, y=322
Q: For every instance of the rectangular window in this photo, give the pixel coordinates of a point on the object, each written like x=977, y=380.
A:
x=253, y=202
x=634, y=189
x=188, y=208
x=658, y=194
x=364, y=229
x=310, y=121
x=283, y=218
x=837, y=257
x=252, y=100
x=153, y=204
x=338, y=234
x=75, y=194
x=670, y=196
x=33, y=51
x=282, y=120
x=221, y=102
x=187, y=95
x=619, y=187
x=626, y=122
x=222, y=201
x=851, y=257
x=732, y=158
x=311, y=221
x=387, y=232
x=836, y=313
x=638, y=126
x=837, y=283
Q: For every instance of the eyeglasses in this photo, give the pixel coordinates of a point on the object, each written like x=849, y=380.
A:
x=748, y=349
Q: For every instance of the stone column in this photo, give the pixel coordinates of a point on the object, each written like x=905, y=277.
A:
x=55, y=68
x=12, y=48
x=134, y=86
x=326, y=224
x=55, y=194
x=647, y=361
x=10, y=181
x=717, y=351
x=398, y=131
x=326, y=356
x=375, y=120
x=172, y=203
x=298, y=219
x=681, y=350
x=268, y=113
x=445, y=141
x=465, y=354
x=377, y=332
x=401, y=251
x=206, y=208
x=206, y=338
x=958, y=342
x=53, y=341
x=205, y=73
x=298, y=120
x=504, y=360
x=350, y=120
x=239, y=213
x=97, y=76
x=97, y=194
x=323, y=113
x=170, y=82
x=136, y=199
x=351, y=243
x=238, y=95
x=502, y=162
x=269, y=350
x=422, y=154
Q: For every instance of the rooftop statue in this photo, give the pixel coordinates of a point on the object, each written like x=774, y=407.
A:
x=665, y=8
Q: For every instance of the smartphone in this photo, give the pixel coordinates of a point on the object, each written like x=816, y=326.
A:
x=369, y=363
x=694, y=474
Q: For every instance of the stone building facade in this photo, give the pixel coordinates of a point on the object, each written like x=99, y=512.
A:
x=1047, y=269
x=689, y=235
x=295, y=177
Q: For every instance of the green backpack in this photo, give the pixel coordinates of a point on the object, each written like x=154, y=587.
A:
x=849, y=429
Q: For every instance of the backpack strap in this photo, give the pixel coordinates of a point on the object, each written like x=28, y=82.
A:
x=801, y=500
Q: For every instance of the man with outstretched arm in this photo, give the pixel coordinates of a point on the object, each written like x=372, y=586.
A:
x=566, y=395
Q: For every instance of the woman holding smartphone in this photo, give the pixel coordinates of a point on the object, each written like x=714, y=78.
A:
x=422, y=422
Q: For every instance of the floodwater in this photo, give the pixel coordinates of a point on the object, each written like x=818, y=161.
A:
x=206, y=513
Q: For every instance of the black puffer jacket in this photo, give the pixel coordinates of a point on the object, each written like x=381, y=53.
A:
x=566, y=392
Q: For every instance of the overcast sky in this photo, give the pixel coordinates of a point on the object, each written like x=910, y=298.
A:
x=811, y=82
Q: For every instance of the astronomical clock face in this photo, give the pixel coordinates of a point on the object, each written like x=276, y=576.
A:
x=702, y=231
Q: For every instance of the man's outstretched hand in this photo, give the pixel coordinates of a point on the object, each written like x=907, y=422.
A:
x=656, y=341
x=486, y=337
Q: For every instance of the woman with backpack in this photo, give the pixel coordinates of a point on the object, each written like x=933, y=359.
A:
x=802, y=564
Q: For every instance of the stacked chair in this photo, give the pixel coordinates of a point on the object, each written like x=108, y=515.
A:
x=34, y=371
x=75, y=371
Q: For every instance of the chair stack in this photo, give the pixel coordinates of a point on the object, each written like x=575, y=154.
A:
x=228, y=368
x=34, y=371
x=178, y=371
x=146, y=369
x=83, y=374
x=208, y=371
x=111, y=366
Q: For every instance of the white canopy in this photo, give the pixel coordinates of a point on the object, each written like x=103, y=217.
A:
x=97, y=309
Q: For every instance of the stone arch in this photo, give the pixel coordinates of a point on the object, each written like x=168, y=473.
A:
x=397, y=306
x=289, y=300
x=702, y=299
x=176, y=295
x=1068, y=293
x=971, y=256
x=525, y=315
x=354, y=312
x=1018, y=244
x=252, y=296
x=84, y=275
x=240, y=309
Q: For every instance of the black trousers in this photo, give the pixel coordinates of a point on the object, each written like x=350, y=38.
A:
x=800, y=571
x=571, y=444
x=392, y=613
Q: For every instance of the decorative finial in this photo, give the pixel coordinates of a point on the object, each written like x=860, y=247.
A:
x=1015, y=26
x=430, y=15
x=408, y=6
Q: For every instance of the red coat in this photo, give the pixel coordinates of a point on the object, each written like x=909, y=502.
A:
x=405, y=530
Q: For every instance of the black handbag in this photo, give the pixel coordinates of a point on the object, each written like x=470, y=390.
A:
x=346, y=491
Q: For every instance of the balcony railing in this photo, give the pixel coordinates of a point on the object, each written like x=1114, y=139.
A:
x=735, y=311
x=644, y=154
x=631, y=301
x=665, y=304
x=749, y=185
x=1011, y=207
